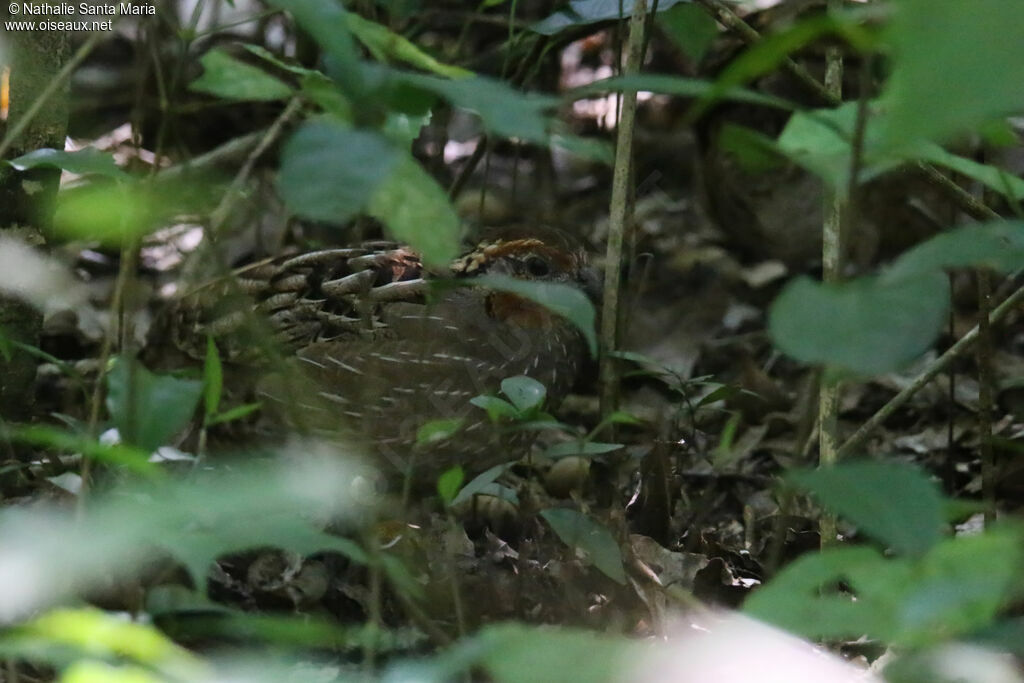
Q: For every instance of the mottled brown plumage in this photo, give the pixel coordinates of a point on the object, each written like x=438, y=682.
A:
x=374, y=360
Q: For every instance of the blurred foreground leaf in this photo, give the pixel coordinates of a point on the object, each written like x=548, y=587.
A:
x=329, y=172
x=892, y=502
x=232, y=79
x=947, y=592
x=865, y=325
x=50, y=554
x=416, y=210
x=935, y=90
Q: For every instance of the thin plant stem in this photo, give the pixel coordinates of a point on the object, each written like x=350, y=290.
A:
x=829, y=392
x=618, y=215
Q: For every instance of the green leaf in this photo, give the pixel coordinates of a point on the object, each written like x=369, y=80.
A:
x=149, y=409
x=579, y=531
x=112, y=213
x=448, y=484
x=795, y=600
x=998, y=245
x=329, y=172
x=525, y=393
x=587, y=448
x=94, y=633
x=515, y=653
x=232, y=79
x=994, y=178
x=936, y=91
x=53, y=553
x=867, y=325
x=384, y=43
x=481, y=483
x=503, y=111
x=690, y=27
x=134, y=459
x=213, y=378
x=416, y=210
x=565, y=300
x=590, y=149
x=232, y=414
x=497, y=409
x=960, y=586
x=327, y=22
x=84, y=161
x=674, y=85
x=438, y=430
x=583, y=12
x=894, y=503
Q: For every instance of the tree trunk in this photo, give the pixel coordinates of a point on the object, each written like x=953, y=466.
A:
x=26, y=198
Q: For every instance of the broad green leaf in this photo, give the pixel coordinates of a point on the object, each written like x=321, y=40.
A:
x=690, y=27
x=819, y=141
x=84, y=161
x=515, y=653
x=502, y=110
x=384, y=43
x=936, y=91
x=579, y=531
x=449, y=482
x=232, y=79
x=867, y=326
x=794, y=599
x=149, y=409
x=329, y=172
x=894, y=503
x=583, y=12
x=416, y=210
x=327, y=22
x=998, y=245
x=525, y=393
x=567, y=301
x=497, y=408
x=960, y=587
x=213, y=379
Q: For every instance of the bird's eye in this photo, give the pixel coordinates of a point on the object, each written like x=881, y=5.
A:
x=537, y=267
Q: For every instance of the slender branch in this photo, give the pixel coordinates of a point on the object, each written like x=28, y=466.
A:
x=618, y=214
x=829, y=392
